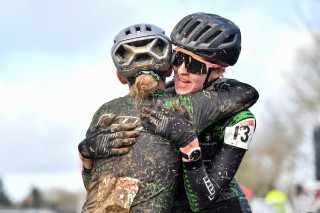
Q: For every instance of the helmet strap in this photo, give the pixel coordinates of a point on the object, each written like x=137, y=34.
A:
x=206, y=83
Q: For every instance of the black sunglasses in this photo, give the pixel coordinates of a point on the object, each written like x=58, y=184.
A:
x=193, y=65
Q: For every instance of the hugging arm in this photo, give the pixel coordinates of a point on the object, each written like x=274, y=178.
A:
x=234, y=96
x=225, y=151
x=105, y=141
x=203, y=187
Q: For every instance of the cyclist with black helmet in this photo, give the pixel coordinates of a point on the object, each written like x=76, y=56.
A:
x=143, y=179
x=209, y=183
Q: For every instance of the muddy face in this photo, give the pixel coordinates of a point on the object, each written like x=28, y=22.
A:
x=185, y=82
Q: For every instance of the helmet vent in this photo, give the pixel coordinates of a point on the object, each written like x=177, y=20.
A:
x=229, y=39
x=212, y=37
x=189, y=31
x=121, y=52
x=182, y=28
x=201, y=33
x=127, y=32
x=138, y=29
x=142, y=57
x=148, y=28
x=141, y=43
x=159, y=47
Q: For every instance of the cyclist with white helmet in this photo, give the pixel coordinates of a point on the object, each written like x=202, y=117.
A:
x=143, y=180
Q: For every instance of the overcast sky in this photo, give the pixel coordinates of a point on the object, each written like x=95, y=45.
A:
x=56, y=70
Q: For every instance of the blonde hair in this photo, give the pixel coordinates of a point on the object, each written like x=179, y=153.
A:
x=144, y=86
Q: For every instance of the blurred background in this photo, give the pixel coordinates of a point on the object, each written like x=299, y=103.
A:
x=56, y=70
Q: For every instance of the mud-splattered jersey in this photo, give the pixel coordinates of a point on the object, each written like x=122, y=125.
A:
x=153, y=161
x=212, y=186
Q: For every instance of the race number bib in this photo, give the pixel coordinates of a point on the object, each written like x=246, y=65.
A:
x=116, y=193
x=240, y=135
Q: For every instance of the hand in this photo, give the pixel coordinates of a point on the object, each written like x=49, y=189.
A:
x=87, y=163
x=176, y=128
x=106, y=141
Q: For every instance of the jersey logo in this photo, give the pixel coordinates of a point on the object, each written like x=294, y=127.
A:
x=210, y=187
x=120, y=120
x=207, y=137
x=240, y=134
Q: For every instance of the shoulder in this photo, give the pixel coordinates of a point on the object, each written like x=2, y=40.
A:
x=105, y=111
x=238, y=117
x=239, y=129
x=108, y=105
x=202, y=100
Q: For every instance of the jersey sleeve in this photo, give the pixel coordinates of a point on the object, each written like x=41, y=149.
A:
x=236, y=97
x=86, y=177
x=213, y=105
x=204, y=187
x=86, y=173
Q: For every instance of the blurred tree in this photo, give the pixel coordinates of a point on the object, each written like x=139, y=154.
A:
x=4, y=199
x=34, y=199
x=273, y=156
x=55, y=199
x=277, y=151
x=37, y=199
x=62, y=200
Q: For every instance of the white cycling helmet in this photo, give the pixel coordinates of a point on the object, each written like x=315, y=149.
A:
x=141, y=47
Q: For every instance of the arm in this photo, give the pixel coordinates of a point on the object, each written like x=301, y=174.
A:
x=105, y=141
x=86, y=177
x=202, y=187
x=207, y=106
x=229, y=95
x=234, y=96
x=220, y=102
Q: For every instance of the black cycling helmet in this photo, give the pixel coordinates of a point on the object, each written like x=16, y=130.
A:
x=209, y=35
x=141, y=47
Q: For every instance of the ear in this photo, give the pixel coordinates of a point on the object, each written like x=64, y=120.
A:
x=217, y=72
x=122, y=79
x=169, y=72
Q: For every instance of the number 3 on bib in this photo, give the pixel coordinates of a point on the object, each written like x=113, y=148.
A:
x=240, y=134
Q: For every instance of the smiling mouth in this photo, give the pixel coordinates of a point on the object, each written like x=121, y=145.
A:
x=183, y=82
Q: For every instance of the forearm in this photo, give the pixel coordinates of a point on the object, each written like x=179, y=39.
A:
x=86, y=177
x=87, y=165
x=202, y=188
x=186, y=149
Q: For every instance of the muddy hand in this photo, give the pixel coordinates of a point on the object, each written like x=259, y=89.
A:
x=108, y=142
x=170, y=125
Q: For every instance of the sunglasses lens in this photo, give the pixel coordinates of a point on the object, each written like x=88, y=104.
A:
x=196, y=67
x=192, y=65
x=177, y=59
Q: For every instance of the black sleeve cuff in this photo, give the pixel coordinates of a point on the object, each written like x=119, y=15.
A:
x=88, y=171
x=192, y=165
